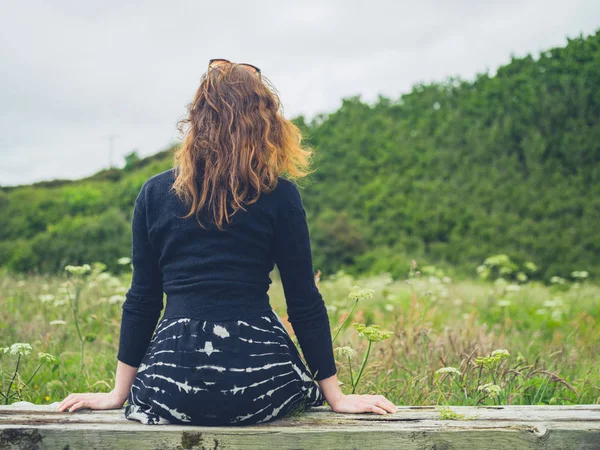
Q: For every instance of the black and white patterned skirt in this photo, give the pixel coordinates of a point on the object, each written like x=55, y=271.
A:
x=235, y=372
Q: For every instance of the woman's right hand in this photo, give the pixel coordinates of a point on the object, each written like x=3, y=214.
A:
x=353, y=404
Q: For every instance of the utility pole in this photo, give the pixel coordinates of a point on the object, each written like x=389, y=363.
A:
x=111, y=143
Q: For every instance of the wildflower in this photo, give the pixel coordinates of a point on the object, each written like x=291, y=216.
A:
x=513, y=288
x=124, y=261
x=447, y=280
x=580, y=274
x=345, y=352
x=357, y=293
x=331, y=308
x=18, y=348
x=116, y=299
x=493, y=390
x=60, y=302
x=494, y=358
x=389, y=307
x=47, y=357
x=57, y=322
x=372, y=332
x=504, y=303
x=78, y=270
x=46, y=298
x=557, y=280
x=450, y=370
x=522, y=277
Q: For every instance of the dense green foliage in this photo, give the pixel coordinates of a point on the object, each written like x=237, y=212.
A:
x=449, y=173
x=456, y=171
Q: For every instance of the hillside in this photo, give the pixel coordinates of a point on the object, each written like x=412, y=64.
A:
x=448, y=173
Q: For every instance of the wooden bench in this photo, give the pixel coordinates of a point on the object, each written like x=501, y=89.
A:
x=27, y=426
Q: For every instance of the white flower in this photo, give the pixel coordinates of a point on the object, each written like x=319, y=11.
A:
x=557, y=280
x=57, y=322
x=389, y=307
x=46, y=298
x=501, y=353
x=493, y=390
x=357, y=293
x=19, y=348
x=47, y=357
x=580, y=274
x=513, y=288
x=345, y=352
x=124, y=261
x=447, y=280
x=116, y=299
x=504, y=303
x=78, y=270
x=451, y=370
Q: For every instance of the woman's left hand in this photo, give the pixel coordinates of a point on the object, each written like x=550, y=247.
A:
x=108, y=400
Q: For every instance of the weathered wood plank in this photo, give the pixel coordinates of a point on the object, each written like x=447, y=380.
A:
x=27, y=426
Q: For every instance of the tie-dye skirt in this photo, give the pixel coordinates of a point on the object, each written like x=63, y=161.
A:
x=235, y=372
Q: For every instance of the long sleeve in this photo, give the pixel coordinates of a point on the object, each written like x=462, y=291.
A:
x=144, y=299
x=305, y=306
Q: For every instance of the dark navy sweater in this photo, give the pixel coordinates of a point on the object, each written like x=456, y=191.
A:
x=212, y=274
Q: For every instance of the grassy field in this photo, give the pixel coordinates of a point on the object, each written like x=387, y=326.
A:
x=450, y=343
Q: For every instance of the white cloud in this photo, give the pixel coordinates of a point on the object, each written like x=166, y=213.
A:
x=74, y=72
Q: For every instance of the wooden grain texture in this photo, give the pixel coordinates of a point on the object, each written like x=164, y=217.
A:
x=27, y=426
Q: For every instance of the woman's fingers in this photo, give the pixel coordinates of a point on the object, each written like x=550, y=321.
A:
x=79, y=404
x=65, y=400
x=387, y=406
x=71, y=401
x=377, y=409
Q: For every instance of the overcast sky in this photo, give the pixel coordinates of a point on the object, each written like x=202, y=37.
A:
x=73, y=73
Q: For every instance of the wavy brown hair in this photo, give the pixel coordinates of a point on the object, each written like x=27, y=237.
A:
x=236, y=143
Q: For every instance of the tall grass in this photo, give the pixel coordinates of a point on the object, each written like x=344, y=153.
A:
x=451, y=343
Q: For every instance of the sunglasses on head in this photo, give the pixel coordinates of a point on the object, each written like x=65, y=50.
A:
x=218, y=61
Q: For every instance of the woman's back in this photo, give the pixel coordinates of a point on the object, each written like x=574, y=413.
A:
x=209, y=269
x=220, y=278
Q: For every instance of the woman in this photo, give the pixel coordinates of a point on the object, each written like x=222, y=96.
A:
x=208, y=232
